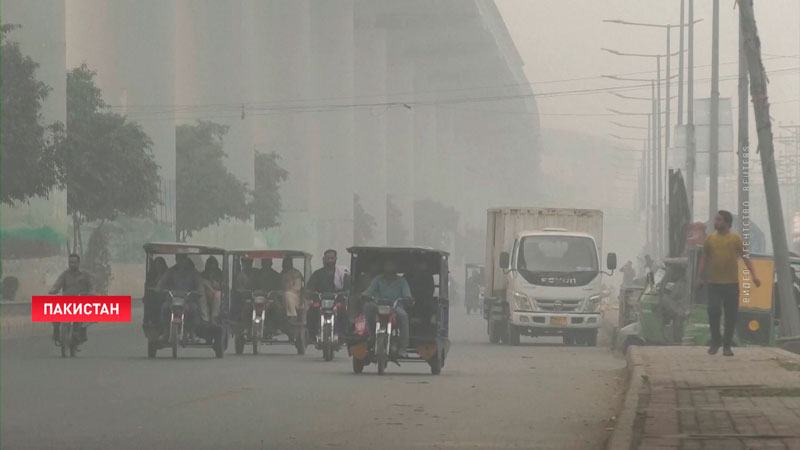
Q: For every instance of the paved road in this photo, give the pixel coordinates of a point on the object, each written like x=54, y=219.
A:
x=538, y=395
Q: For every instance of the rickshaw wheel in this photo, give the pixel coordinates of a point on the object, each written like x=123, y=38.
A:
x=238, y=342
x=358, y=365
x=300, y=341
x=436, y=364
x=152, y=349
x=219, y=346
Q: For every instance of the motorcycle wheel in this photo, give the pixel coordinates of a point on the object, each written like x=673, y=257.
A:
x=65, y=336
x=238, y=342
x=327, y=345
x=152, y=349
x=380, y=353
x=256, y=342
x=174, y=331
x=358, y=365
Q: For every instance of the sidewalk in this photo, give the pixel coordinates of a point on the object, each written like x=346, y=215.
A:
x=682, y=398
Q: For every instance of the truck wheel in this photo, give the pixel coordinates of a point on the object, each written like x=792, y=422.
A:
x=513, y=335
x=494, y=333
x=238, y=343
x=591, y=339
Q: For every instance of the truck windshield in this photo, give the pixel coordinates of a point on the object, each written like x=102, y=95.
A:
x=557, y=254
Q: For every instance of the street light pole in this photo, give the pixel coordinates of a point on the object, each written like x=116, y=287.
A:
x=690, y=143
x=659, y=167
x=744, y=137
x=713, y=153
x=680, y=71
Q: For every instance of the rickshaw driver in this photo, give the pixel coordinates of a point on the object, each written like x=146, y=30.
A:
x=327, y=279
x=180, y=277
x=389, y=286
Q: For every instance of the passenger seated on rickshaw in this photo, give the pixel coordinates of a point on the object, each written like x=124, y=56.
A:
x=212, y=290
x=293, y=299
x=152, y=300
x=181, y=277
x=389, y=286
x=420, y=281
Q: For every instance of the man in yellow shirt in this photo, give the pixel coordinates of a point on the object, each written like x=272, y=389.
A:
x=721, y=252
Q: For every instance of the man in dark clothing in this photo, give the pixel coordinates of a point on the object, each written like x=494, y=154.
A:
x=325, y=280
x=420, y=280
x=182, y=277
x=268, y=278
x=72, y=281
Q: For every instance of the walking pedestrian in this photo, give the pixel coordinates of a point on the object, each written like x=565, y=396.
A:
x=721, y=252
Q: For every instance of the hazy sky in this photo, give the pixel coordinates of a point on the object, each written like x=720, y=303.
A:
x=561, y=40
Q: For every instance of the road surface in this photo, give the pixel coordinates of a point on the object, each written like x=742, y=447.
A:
x=539, y=395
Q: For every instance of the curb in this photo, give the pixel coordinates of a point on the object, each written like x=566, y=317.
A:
x=624, y=436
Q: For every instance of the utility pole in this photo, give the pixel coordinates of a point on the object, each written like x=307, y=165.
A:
x=690, y=148
x=680, y=72
x=649, y=176
x=713, y=151
x=790, y=315
x=667, y=133
x=743, y=134
x=659, y=168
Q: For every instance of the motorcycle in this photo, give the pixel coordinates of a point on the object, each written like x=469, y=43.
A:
x=179, y=310
x=387, y=333
x=71, y=335
x=329, y=305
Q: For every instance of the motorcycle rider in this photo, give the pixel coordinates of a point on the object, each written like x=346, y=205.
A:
x=389, y=286
x=72, y=281
x=328, y=278
x=180, y=277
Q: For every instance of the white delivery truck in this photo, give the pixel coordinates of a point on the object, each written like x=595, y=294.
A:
x=543, y=274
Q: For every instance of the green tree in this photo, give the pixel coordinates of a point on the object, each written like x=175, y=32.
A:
x=363, y=223
x=434, y=223
x=108, y=163
x=28, y=163
x=206, y=193
x=266, y=204
x=396, y=233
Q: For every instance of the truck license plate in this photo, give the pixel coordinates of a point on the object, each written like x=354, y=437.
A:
x=558, y=321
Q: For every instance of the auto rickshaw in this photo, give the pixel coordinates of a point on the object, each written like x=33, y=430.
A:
x=172, y=318
x=259, y=312
x=473, y=287
x=428, y=317
x=673, y=312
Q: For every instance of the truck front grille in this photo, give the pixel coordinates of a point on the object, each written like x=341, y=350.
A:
x=558, y=305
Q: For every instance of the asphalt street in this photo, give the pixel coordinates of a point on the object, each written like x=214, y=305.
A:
x=540, y=395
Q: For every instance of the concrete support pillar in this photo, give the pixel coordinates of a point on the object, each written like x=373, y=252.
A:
x=211, y=69
x=370, y=123
x=400, y=142
x=135, y=70
x=332, y=49
x=285, y=77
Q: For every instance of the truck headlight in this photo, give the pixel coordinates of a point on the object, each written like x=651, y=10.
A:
x=522, y=302
x=592, y=303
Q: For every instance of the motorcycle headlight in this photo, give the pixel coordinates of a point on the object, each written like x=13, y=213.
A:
x=327, y=304
x=592, y=303
x=522, y=302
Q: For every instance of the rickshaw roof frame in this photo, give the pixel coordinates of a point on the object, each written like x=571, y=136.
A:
x=176, y=248
x=269, y=253
x=389, y=250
